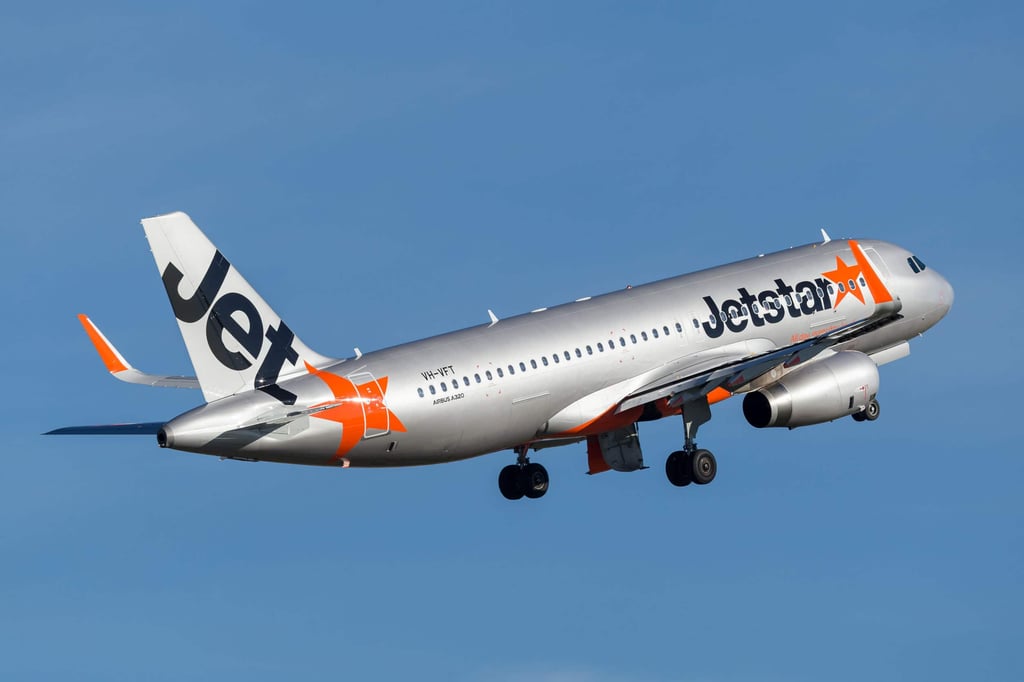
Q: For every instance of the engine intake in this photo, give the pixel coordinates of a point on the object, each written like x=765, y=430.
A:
x=820, y=392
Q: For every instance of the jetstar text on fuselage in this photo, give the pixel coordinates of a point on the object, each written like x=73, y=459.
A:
x=770, y=306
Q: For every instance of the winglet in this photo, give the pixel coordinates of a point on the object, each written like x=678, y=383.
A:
x=120, y=368
x=824, y=235
x=113, y=360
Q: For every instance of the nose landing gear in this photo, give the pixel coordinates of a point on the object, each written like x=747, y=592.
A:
x=869, y=413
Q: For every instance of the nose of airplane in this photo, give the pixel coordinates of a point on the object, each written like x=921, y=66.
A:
x=945, y=296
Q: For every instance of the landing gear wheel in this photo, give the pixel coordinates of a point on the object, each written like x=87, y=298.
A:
x=535, y=480
x=678, y=469
x=872, y=411
x=511, y=482
x=859, y=416
x=704, y=467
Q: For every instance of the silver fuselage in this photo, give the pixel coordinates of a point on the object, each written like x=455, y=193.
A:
x=466, y=393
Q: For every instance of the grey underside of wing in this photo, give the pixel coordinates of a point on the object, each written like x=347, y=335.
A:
x=139, y=429
x=730, y=368
x=134, y=376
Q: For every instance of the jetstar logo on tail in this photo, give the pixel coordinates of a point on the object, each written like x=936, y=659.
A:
x=249, y=336
x=360, y=408
x=808, y=297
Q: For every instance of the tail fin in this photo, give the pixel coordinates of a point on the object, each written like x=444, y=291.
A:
x=236, y=341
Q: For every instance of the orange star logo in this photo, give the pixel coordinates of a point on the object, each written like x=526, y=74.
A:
x=843, y=275
x=356, y=407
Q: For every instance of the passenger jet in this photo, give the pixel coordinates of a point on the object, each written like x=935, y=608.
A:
x=799, y=333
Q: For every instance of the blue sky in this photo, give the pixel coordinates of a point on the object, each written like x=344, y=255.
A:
x=382, y=172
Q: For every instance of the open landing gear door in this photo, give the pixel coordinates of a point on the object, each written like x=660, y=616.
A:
x=618, y=450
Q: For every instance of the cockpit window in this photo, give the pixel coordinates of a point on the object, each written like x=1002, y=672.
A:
x=920, y=264
x=913, y=265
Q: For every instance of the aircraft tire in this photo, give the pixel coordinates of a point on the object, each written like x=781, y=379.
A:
x=858, y=416
x=535, y=480
x=704, y=467
x=678, y=469
x=511, y=482
x=872, y=411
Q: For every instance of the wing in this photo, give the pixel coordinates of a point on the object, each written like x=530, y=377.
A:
x=736, y=365
x=119, y=367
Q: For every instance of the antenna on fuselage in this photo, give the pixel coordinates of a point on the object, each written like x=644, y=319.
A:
x=825, y=237
x=494, y=318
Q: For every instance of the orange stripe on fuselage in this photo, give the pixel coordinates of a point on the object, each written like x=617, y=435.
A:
x=610, y=420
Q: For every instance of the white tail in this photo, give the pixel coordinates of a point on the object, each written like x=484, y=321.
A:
x=236, y=341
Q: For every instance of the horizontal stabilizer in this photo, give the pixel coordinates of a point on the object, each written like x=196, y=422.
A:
x=141, y=429
x=119, y=367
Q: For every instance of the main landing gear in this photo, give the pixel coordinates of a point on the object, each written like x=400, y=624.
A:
x=523, y=479
x=869, y=413
x=691, y=464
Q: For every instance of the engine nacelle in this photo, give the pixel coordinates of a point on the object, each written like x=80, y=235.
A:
x=820, y=392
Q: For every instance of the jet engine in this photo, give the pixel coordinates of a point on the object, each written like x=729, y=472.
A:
x=828, y=389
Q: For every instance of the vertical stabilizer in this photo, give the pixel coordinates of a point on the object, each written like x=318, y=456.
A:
x=236, y=341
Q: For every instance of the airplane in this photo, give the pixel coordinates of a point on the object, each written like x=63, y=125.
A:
x=800, y=333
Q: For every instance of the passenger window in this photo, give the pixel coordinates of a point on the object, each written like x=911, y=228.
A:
x=643, y=335
x=579, y=353
x=567, y=356
x=465, y=381
x=753, y=307
x=522, y=366
x=841, y=287
x=622, y=342
x=696, y=324
x=789, y=300
x=655, y=333
x=444, y=387
x=501, y=375
x=477, y=377
x=433, y=391
x=679, y=327
x=665, y=329
x=853, y=285
x=632, y=337
x=511, y=370
x=544, y=359
x=590, y=351
x=611, y=343
x=600, y=347
x=533, y=363
x=490, y=377
x=862, y=282
x=555, y=358
x=455, y=383
x=420, y=392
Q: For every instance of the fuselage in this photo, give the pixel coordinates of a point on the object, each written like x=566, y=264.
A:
x=561, y=372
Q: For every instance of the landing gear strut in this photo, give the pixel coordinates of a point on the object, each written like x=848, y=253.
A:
x=691, y=464
x=523, y=479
